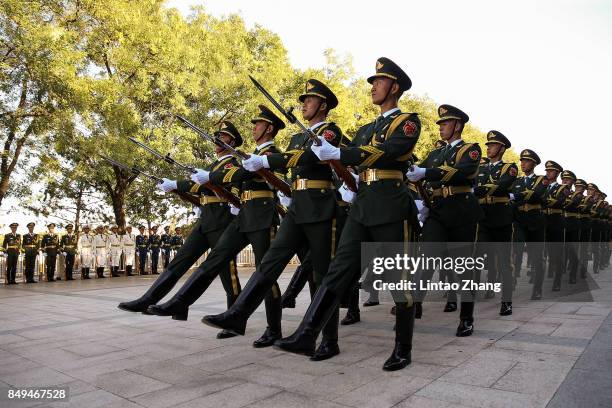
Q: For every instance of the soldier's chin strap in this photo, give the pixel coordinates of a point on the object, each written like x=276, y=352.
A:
x=389, y=91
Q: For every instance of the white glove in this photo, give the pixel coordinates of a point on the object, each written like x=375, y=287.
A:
x=326, y=151
x=423, y=211
x=2, y=254
x=64, y=253
x=415, y=173
x=420, y=205
x=511, y=197
x=200, y=176
x=255, y=162
x=197, y=211
x=167, y=185
x=284, y=200
x=234, y=210
x=347, y=195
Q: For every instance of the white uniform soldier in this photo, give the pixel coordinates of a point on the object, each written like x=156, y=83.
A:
x=100, y=250
x=115, y=245
x=85, y=249
x=128, y=242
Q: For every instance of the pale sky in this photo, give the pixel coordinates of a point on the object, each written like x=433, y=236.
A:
x=538, y=71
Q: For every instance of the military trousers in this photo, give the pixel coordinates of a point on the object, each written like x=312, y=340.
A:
x=196, y=244
x=30, y=265
x=496, y=243
x=11, y=264
x=534, y=238
x=154, y=259
x=50, y=264
x=555, y=236
x=69, y=258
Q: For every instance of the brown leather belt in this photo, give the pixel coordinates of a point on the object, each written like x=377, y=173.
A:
x=447, y=191
x=493, y=200
x=529, y=207
x=305, y=184
x=253, y=194
x=371, y=175
x=204, y=200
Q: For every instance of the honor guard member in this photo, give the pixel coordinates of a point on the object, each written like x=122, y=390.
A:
x=380, y=212
x=68, y=245
x=86, y=251
x=255, y=224
x=571, y=212
x=142, y=246
x=128, y=246
x=455, y=212
x=50, y=245
x=555, y=224
x=166, y=247
x=30, y=245
x=12, y=247
x=101, y=247
x=597, y=230
x=154, y=247
x=584, y=232
x=528, y=194
x=310, y=222
x=177, y=241
x=115, y=247
x=493, y=185
x=214, y=217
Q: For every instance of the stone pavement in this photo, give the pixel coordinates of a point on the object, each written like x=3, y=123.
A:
x=555, y=352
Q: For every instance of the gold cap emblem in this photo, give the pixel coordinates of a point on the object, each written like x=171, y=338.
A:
x=309, y=86
x=442, y=111
x=223, y=125
x=379, y=65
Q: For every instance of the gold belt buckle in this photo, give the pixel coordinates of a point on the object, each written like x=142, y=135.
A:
x=246, y=195
x=446, y=191
x=302, y=184
x=371, y=175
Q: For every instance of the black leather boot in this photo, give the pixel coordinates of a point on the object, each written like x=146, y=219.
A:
x=404, y=327
x=323, y=306
x=352, y=314
x=506, y=309
x=128, y=270
x=100, y=272
x=115, y=271
x=274, y=312
x=235, y=318
x=466, y=323
x=174, y=307
x=329, y=344
x=160, y=288
x=418, y=310
x=296, y=284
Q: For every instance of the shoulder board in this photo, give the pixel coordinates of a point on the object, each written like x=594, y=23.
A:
x=398, y=119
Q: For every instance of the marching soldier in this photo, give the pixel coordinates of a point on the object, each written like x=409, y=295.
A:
x=584, y=209
x=100, y=246
x=115, y=246
x=128, y=246
x=571, y=212
x=214, y=217
x=68, y=245
x=255, y=224
x=154, y=247
x=12, y=247
x=166, y=246
x=49, y=245
x=598, y=229
x=86, y=250
x=455, y=212
x=380, y=149
x=493, y=185
x=142, y=246
x=555, y=223
x=30, y=246
x=528, y=194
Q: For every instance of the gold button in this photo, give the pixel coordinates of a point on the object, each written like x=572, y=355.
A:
x=322, y=190
x=398, y=184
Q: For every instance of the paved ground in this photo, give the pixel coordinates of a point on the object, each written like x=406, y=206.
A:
x=556, y=353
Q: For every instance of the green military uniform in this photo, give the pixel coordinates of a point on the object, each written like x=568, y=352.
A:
x=30, y=245
x=571, y=213
x=310, y=222
x=255, y=224
x=584, y=209
x=49, y=245
x=68, y=245
x=455, y=212
x=493, y=185
x=528, y=192
x=154, y=246
x=177, y=240
x=12, y=246
x=599, y=233
x=166, y=245
x=555, y=197
x=214, y=217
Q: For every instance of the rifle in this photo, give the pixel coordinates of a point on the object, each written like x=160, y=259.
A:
x=135, y=170
x=266, y=174
x=421, y=189
x=218, y=190
x=340, y=170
